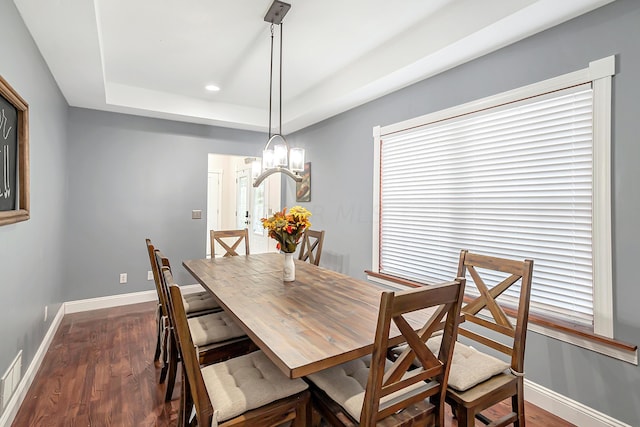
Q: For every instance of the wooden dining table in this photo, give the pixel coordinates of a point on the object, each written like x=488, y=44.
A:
x=322, y=319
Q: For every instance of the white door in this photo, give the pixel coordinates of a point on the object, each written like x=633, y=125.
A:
x=253, y=204
x=214, y=201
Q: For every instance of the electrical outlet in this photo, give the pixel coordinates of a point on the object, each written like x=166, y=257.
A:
x=123, y=278
x=149, y=275
x=46, y=312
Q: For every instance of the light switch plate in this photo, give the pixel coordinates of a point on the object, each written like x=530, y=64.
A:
x=196, y=214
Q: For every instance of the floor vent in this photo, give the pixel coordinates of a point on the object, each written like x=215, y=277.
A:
x=10, y=380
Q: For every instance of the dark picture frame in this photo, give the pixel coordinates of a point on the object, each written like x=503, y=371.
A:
x=14, y=156
x=303, y=188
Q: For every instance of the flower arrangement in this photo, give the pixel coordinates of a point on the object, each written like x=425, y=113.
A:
x=287, y=228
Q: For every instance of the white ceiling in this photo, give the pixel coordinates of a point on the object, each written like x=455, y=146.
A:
x=154, y=57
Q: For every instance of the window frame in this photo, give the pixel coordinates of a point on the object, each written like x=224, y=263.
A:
x=599, y=73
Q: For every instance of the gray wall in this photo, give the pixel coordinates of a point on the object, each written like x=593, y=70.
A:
x=341, y=152
x=31, y=256
x=131, y=178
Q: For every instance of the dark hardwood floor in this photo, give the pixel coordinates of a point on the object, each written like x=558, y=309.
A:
x=99, y=371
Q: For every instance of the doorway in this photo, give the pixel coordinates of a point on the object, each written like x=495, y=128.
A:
x=233, y=202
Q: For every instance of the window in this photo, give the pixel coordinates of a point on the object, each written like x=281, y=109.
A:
x=523, y=174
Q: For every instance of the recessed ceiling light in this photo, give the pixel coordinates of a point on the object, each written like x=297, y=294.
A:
x=212, y=88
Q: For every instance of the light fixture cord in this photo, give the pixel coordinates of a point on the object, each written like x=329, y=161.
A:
x=270, y=81
x=280, y=114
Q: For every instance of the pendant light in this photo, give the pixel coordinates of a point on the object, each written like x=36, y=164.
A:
x=277, y=156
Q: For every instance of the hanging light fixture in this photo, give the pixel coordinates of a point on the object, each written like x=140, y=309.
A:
x=277, y=156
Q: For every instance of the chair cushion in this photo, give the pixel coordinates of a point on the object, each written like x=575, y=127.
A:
x=469, y=366
x=346, y=385
x=213, y=328
x=246, y=382
x=199, y=301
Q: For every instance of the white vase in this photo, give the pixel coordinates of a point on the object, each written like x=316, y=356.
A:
x=289, y=270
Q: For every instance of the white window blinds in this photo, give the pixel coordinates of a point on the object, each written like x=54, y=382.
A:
x=512, y=181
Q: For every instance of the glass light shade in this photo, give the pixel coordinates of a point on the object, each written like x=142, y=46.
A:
x=280, y=155
x=255, y=169
x=296, y=155
x=268, y=159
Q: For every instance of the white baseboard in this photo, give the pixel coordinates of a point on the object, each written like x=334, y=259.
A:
x=13, y=406
x=567, y=409
x=118, y=300
x=109, y=301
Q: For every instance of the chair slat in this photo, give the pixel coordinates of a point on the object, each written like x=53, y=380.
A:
x=508, y=331
x=486, y=341
x=494, y=263
x=413, y=377
x=497, y=312
x=230, y=247
x=311, y=246
x=478, y=304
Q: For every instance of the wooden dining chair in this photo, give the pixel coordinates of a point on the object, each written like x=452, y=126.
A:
x=482, y=380
x=311, y=246
x=217, y=336
x=248, y=390
x=162, y=319
x=375, y=391
x=197, y=303
x=229, y=240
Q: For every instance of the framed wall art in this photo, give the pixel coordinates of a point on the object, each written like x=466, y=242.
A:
x=14, y=156
x=303, y=188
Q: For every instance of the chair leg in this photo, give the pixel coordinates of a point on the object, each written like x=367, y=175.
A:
x=156, y=356
x=173, y=370
x=186, y=403
x=316, y=418
x=440, y=406
x=517, y=405
x=166, y=356
x=303, y=414
x=466, y=417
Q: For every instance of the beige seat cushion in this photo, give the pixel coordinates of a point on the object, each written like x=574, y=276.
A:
x=246, y=382
x=199, y=301
x=469, y=366
x=346, y=385
x=213, y=328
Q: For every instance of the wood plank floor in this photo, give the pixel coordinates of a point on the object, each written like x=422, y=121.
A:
x=99, y=371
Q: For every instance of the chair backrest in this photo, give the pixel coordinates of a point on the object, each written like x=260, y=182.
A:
x=311, y=246
x=188, y=352
x=229, y=240
x=493, y=277
x=443, y=300
x=162, y=263
x=157, y=277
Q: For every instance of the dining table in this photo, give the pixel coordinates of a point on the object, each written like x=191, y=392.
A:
x=321, y=319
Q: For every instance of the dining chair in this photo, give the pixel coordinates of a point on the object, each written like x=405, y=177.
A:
x=229, y=240
x=481, y=380
x=311, y=246
x=217, y=336
x=195, y=303
x=247, y=390
x=375, y=391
